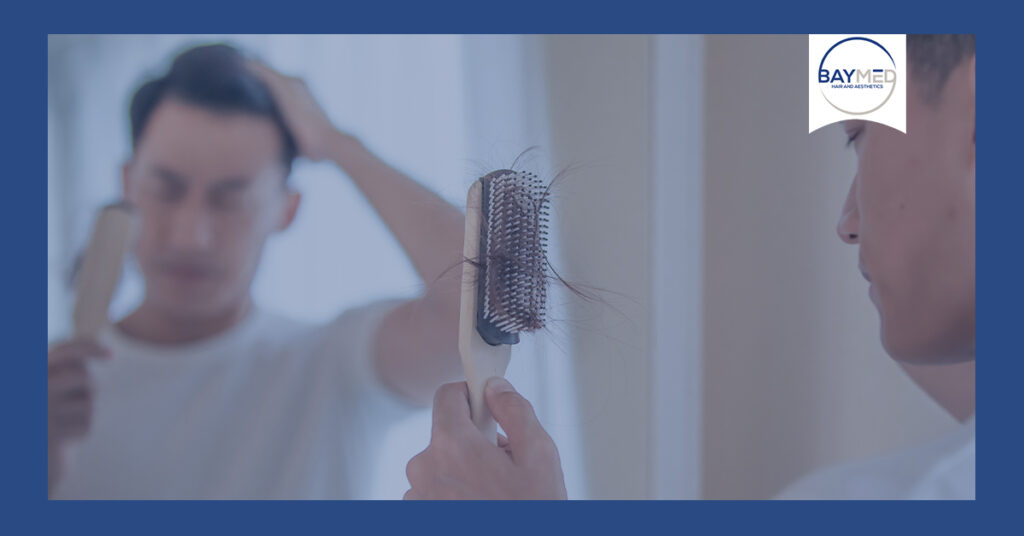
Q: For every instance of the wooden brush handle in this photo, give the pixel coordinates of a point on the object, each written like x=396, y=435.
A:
x=479, y=359
x=100, y=270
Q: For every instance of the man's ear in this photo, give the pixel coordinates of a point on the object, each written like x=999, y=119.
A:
x=974, y=123
x=291, y=208
x=974, y=117
x=126, y=183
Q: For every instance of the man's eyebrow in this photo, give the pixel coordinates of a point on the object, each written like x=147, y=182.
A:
x=169, y=175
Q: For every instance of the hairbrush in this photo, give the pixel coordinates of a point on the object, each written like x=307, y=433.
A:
x=100, y=269
x=504, y=281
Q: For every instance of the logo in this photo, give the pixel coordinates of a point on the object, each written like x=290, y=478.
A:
x=857, y=77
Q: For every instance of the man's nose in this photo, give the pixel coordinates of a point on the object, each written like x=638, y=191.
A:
x=849, y=220
x=191, y=227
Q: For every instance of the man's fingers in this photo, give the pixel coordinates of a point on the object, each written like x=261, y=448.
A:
x=73, y=396
x=68, y=380
x=81, y=346
x=81, y=409
x=503, y=445
x=416, y=469
x=70, y=418
x=513, y=412
x=76, y=349
x=451, y=408
x=67, y=375
x=71, y=426
x=70, y=402
x=270, y=76
x=67, y=367
x=262, y=70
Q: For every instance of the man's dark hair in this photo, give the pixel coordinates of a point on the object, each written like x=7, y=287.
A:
x=213, y=77
x=932, y=57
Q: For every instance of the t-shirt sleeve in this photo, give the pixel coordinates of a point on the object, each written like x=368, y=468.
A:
x=348, y=342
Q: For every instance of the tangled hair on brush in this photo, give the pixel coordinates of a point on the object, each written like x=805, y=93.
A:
x=514, y=268
x=513, y=287
x=543, y=199
x=214, y=77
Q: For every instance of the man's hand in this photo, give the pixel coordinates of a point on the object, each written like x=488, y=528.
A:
x=460, y=463
x=313, y=131
x=69, y=398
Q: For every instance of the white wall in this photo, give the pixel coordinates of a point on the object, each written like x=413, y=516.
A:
x=795, y=375
x=599, y=114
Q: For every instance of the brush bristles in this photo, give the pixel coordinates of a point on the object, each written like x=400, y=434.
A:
x=515, y=260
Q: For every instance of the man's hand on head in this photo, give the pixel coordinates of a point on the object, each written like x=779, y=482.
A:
x=460, y=463
x=312, y=129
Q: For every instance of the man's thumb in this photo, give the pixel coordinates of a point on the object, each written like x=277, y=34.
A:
x=513, y=412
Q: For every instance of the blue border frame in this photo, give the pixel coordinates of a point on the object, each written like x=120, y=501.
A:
x=999, y=296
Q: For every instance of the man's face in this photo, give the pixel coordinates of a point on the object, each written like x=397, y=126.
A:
x=209, y=188
x=911, y=209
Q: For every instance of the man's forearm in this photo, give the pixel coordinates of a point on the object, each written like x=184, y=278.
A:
x=417, y=344
x=427, y=227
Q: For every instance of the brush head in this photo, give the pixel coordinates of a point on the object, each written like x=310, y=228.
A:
x=512, y=277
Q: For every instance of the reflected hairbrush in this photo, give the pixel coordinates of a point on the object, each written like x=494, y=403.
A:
x=504, y=282
x=100, y=269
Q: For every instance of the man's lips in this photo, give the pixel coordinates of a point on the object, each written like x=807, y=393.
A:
x=187, y=271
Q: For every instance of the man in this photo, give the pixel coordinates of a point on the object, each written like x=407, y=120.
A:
x=911, y=211
x=200, y=394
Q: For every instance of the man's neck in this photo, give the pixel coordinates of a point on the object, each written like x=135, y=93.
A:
x=951, y=385
x=152, y=324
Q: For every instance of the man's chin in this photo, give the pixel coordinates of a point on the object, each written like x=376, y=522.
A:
x=923, y=350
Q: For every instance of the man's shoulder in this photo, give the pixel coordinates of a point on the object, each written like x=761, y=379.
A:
x=942, y=468
x=360, y=319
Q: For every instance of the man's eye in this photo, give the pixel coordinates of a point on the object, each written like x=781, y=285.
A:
x=166, y=192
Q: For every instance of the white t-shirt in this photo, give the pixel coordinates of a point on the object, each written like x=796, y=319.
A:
x=940, y=469
x=272, y=408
